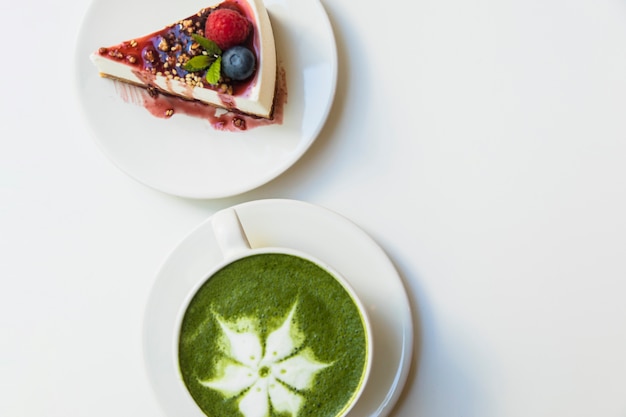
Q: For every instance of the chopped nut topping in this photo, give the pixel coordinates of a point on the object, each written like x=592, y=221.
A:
x=239, y=123
x=163, y=45
x=150, y=55
x=169, y=112
x=116, y=54
x=225, y=88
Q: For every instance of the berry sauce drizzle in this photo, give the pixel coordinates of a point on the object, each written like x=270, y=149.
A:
x=163, y=52
x=166, y=106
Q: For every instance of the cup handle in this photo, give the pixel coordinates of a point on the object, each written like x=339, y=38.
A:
x=229, y=233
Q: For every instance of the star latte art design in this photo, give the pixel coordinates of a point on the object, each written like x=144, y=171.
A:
x=265, y=374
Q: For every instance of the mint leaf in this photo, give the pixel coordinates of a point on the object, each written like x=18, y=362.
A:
x=197, y=63
x=213, y=74
x=207, y=44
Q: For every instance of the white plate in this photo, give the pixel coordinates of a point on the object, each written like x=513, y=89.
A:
x=185, y=156
x=325, y=235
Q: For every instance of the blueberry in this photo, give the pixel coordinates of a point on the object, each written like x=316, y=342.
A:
x=238, y=63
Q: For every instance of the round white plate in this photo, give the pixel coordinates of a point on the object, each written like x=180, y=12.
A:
x=302, y=226
x=185, y=156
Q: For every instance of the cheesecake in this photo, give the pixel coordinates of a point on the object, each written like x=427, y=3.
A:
x=224, y=56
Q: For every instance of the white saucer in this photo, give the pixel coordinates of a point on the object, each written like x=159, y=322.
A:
x=185, y=156
x=302, y=226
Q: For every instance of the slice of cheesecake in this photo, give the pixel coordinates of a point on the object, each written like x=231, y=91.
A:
x=224, y=56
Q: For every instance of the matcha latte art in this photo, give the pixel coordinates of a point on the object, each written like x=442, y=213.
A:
x=273, y=335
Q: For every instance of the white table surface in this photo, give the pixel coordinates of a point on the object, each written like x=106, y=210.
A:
x=481, y=143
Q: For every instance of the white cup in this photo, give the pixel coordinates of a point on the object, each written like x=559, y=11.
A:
x=272, y=329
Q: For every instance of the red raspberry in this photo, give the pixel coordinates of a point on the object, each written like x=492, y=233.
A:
x=227, y=27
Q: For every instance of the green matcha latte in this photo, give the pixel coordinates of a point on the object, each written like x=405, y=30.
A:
x=273, y=335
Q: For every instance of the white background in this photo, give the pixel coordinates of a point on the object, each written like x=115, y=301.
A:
x=481, y=143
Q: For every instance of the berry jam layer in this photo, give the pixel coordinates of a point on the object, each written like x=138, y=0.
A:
x=165, y=53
